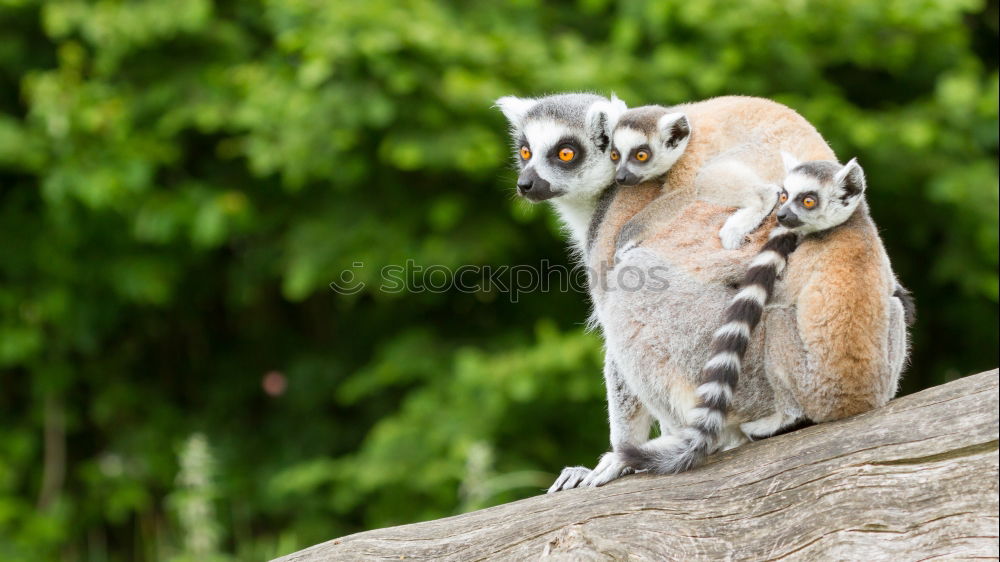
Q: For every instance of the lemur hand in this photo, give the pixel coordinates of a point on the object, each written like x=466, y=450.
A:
x=571, y=477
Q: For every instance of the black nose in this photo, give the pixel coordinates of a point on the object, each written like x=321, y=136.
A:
x=625, y=177
x=788, y=219
x=529, y=181
x=533, y=187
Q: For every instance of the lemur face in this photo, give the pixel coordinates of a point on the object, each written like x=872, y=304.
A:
x=818, y=195
x=561, y=144
x=647, y=142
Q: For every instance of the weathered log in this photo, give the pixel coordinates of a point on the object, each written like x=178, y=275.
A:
x=913, y=480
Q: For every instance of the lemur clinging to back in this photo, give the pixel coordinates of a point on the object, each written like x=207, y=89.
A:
x=817, y=197
x=649, y=140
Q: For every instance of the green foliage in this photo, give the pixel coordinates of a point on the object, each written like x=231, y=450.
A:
x=181, y=180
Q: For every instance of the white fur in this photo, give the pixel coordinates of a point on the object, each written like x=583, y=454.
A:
x=569, y=478
x=778, y=231
x=542, y=135
x=610, y=467
x=734, y=328
x=576, y=212
x=712, y=420
x=612, y=110
x=727, y=181
x=713, y=390
x=627, y=139
x=852, y=166
x=754, y=293
x=738, y=226
x=768, y=425
x=638, y=347
x=579, y=188
x=666, y=121
x=724, y=359
x=831, y=210
x=514, y=109
x=768, y=258
x=789, y=161
x=576, y=206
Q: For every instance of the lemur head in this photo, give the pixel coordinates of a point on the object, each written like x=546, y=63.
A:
x=819, y=194
x=562, y=143
x=647, y=142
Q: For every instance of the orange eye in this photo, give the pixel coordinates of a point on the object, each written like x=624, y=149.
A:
x=809, y=202
x=783, y=197
x=615, y=156
x=642, y=155
x=525, y=153
x=566, y=154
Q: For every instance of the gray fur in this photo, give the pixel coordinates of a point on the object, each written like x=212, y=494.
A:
x=658, y=340
x=825, y=182
x=838, y=191
x=721, y=374
x=603, y=203
x=643, y=118
x=664, y=134
x=570, y=109
x=631, y=232
x=821, y=170
x=909, y=305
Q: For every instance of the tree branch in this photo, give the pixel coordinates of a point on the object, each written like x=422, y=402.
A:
x=912, y=480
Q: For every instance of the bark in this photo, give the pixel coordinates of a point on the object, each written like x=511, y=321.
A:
x=913, y=480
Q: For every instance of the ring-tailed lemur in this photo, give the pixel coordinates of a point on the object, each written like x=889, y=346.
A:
x=648, y=141
x=656, y=340
x=561, y=145
x=817, y=196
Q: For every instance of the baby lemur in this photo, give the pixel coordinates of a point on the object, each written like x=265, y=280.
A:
x=649, y=140
x=817, y=196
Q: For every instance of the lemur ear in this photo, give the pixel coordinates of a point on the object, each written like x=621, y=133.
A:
x=616, y=109
x=674, y=128
x=602, y=116
x=790, y=162
x=514, y=109
x=851, y=179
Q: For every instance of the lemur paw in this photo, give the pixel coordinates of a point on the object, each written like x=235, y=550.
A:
x=569, y=478
x=765, y=427
x=732, y=236
x=611, y=467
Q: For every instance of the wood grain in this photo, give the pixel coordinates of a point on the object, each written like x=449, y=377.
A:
x=914, y=480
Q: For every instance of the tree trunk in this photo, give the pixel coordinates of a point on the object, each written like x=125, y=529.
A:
x=913, y=480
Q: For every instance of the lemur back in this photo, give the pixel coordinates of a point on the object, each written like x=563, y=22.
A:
x=818, y=196
x=649, y=140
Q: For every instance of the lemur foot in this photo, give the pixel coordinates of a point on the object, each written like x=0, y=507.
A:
x=569, y=478
x=732, y=235
x=770, y=425
x=611, y=467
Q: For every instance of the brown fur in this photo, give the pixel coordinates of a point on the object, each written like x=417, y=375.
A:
x=828, y=335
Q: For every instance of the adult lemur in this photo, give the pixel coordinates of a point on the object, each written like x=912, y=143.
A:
x=816, y=197
x=658, y=340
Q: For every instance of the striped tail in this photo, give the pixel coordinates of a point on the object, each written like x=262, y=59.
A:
x=687, y=448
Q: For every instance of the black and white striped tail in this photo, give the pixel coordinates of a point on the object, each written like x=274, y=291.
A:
x=722, y=371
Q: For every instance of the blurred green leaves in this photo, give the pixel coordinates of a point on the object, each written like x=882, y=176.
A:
x=180, y=182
